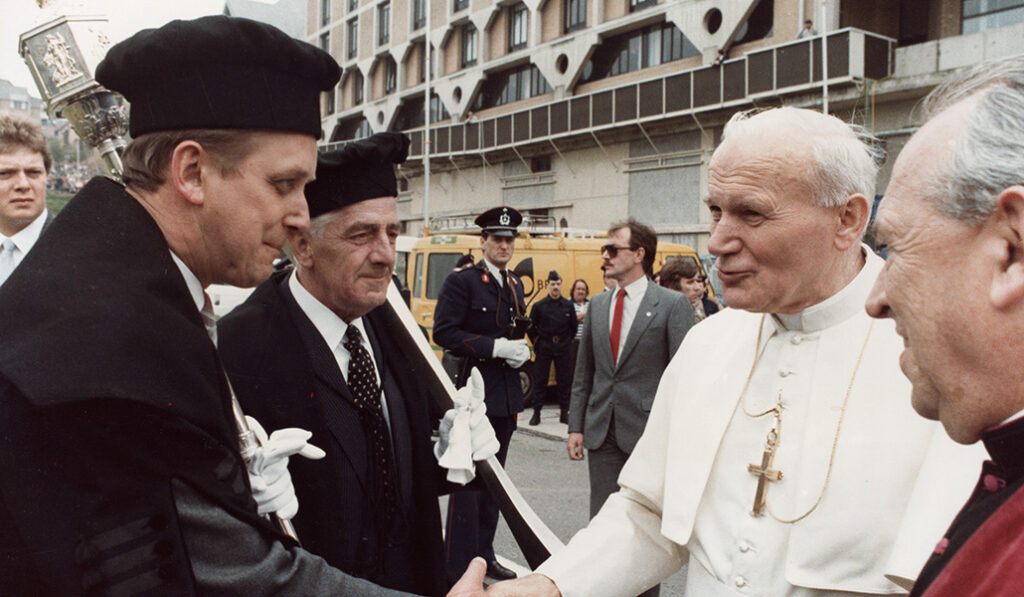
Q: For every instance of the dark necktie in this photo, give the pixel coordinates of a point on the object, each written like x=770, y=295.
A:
x=362, y=381
x=617, y=324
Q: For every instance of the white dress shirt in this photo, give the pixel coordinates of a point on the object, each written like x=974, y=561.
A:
x=630, y=303
x=332, y=329
x=22, y=241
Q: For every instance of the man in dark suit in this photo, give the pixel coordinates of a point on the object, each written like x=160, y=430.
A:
x=552, y=328
x=629, y=335
x=24, y=165
x=309, y=349
x=476, y=318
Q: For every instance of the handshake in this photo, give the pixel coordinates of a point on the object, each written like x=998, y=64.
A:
x=514, y=352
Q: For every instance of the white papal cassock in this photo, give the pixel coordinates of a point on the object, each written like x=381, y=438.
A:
x=687, y=496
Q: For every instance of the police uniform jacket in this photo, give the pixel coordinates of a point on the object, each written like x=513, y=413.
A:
x=553, y=324
x=109, y=389
x=472, y=310
x=285, y=375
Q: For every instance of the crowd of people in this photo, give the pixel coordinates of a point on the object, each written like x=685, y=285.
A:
x=819, y=437
x=67, y=177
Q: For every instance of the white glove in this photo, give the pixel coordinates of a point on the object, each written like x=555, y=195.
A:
x=515, y=352
x=465, y=434
x=268, y=470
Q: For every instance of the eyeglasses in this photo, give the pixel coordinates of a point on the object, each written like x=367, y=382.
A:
x=613, y=250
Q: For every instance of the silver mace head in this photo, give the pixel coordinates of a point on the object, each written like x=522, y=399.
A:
x=62, y=55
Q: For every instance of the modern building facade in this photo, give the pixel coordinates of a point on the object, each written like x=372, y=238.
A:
x=584, y=112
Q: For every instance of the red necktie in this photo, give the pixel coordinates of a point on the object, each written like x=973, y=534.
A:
x=617, y=324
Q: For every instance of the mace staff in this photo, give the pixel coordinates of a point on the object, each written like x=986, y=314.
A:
x=535, y=539
x=62, y=55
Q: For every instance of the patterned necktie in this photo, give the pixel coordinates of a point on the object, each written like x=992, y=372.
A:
x=617, y=324
x=7, y=261
x=362, y=381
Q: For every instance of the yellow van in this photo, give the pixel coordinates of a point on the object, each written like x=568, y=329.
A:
x=434, y=257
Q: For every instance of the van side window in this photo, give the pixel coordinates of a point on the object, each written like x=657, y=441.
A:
x=417, y=281
x=438, y=268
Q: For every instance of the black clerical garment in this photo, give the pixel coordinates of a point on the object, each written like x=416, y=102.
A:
x=982, y=553
x=110, y=393
x=285, y=375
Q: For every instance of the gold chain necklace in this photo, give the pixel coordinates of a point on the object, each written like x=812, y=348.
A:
x=764, y=471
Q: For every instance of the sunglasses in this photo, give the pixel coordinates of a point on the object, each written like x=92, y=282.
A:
x=613, y=250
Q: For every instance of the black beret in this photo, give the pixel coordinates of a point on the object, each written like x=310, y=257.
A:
x=360, y=170
x=219, y=72
x=499, y=221
x=553, y=275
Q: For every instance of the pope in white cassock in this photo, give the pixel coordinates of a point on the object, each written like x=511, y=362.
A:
x=782, y=457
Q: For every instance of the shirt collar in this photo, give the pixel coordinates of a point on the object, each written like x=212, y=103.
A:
x=195, y=287
x=495, y=270
x=840, y=306
x=331, y=327
x=636, y=288
x=26, y=238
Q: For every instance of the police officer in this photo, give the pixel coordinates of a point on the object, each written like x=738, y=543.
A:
x=552, y=327
x=480, y=318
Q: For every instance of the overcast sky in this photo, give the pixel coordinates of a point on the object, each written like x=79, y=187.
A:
x=125, y=16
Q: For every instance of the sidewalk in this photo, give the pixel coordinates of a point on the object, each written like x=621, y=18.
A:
x=549, y=427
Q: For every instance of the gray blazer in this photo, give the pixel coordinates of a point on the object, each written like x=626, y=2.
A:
x=600, y=387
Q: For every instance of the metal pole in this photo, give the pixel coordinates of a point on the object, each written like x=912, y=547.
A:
x=428, y=65
x=824, y=56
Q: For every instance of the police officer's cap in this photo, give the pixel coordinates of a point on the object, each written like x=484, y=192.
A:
x=358, y=171
x=553, y=275
x=500, y=221
x=219, y=72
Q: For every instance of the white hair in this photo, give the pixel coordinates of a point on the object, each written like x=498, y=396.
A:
x=319, y=224
x=845, y=157
x=989, y=155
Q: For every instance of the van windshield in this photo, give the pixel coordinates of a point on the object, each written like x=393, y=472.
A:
x=439, y=265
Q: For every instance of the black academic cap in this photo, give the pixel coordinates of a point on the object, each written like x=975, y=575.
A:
x=219, y=72
x=499, y=221
x=360, y=170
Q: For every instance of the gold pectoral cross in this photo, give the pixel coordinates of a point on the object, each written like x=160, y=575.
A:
x=764, y=472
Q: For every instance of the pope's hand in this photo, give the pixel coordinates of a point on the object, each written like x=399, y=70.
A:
x=268, y=470
x=534, y=585
x=515, y=352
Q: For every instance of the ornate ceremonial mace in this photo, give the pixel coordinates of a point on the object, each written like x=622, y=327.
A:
x=62, y=55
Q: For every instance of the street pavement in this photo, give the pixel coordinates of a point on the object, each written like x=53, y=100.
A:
x=557, y=488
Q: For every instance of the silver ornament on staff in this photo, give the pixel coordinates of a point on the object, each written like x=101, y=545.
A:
x=62, y=55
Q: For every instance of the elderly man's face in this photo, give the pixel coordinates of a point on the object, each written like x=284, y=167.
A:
x=775, y=246
x=249, y=212
x=349, y=268
x=22, y=189
x=932, y=287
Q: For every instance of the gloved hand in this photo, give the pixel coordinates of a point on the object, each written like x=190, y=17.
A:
x=268, y=470
x=515, y=352
x=465, y=434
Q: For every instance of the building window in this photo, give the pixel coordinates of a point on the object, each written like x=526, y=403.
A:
x=517, y=21
x=469, y=38
x=357, y=87
x=635, y=5
x=437, y=110
x=759, y=24
x=329, y=101
x=419, y=14
x=383, y=23
x=458, y=5
x=390, y=75
x=325, y=42
x=353, y=5
x=575, y=15
x=511, y=85
x=540, y=164
x=325, y=12
x=410, y=113
x=638, y=49
x=979, y=15
x=352, y=31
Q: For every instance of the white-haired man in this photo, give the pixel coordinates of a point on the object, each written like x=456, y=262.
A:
x=781, y=456
x=954, y=216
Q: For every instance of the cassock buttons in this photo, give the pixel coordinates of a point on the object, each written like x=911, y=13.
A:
x=740, y=581
x=796, y=340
